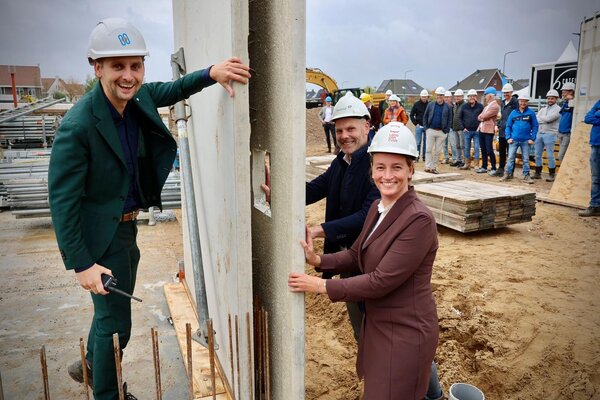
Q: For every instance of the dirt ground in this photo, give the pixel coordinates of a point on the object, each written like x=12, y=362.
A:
x=518, y=307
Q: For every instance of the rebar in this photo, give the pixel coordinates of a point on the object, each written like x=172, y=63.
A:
x=188, y=341
x=267, y=356
x=117, y=351
x=45, y=372
x=155, y=353
x=211, y=356
x=84, y=368
x=237, y=354
x=250, y=374
x=231, y=354
x=1, y=389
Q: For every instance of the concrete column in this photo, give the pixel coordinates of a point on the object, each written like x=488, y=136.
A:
x=277, y=114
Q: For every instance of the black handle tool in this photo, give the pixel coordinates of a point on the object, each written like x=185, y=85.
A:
x=110, y=284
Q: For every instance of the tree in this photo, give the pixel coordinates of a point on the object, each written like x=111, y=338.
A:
x=369, y=89
x=73, y=89
x=89, y=83
x=59, y=95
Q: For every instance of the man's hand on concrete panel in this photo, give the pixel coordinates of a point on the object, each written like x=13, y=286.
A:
x=229, y=70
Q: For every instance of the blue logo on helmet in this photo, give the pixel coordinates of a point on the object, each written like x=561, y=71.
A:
x=124, y=39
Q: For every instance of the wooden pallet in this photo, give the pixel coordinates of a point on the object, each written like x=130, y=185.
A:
x=182, y=312
x=468, y=206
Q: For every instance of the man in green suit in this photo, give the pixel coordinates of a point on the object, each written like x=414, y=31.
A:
x=111, y=156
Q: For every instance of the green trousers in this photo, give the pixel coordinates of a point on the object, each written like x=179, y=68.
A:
x=112, y=313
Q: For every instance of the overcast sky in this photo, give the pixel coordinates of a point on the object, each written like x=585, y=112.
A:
x=358, y=43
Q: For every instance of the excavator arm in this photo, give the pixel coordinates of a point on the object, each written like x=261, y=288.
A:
x=320, y=78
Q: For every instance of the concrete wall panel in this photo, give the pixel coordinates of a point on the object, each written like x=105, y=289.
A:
x=248, y=247
x=219, y=134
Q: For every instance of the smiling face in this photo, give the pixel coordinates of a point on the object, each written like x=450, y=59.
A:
x=351, y=134
x=121, y=78
x=523, y=104
x=392, y=174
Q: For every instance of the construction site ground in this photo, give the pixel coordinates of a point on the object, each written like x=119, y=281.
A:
x=519, y=308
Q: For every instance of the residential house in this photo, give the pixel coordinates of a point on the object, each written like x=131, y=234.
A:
x=408, y=90
x=72, y=90
x=28, y=82
x=480, y=80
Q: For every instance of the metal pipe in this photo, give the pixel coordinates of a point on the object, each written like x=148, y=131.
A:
x=13, y=84
x=178, y=67
x=84, y=368
x=45, y=372
x=117, y=351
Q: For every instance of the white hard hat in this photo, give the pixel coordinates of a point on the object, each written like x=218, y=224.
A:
x=440, y=90
x=389, y=92
x=568, y=86
x=115, y=37
x=424, y=93
x=459, y=92
x=350, y=106
x=524, y=97
x=472, y=92
x=552, y=93
x=448, y=93
x=394, y=97
x=507, y=88
x=394, y=138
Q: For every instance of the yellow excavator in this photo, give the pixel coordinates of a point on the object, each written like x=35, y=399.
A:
x=320, y=78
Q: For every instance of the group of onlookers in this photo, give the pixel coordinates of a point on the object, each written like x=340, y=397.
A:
x=470, y=129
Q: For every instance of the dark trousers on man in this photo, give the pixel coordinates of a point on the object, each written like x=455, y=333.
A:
x=112, y=313
x=503, y=150
x=486, y=142
x=329, y=129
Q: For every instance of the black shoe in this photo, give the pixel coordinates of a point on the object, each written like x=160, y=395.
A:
x=590, y=212
x=75, y=371
x=128, y=396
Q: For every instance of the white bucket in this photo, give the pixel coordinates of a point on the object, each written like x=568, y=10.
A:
x=464, y=391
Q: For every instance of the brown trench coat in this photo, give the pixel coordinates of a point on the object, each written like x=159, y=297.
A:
x=400, y=328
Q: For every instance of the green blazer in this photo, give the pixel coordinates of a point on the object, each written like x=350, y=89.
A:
x=87, y=177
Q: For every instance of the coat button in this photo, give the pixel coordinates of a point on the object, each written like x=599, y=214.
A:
x=121, y=198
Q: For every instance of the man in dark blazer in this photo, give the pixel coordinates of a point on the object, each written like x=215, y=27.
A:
x=111, y=156
x=347, y=186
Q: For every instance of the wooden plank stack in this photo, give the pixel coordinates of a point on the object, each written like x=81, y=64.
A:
x=468, y=206
x=519, y=158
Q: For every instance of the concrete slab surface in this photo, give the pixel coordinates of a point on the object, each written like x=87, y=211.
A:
x=42, y=304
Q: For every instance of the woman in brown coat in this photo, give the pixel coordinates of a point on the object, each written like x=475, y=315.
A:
x=394, y=254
